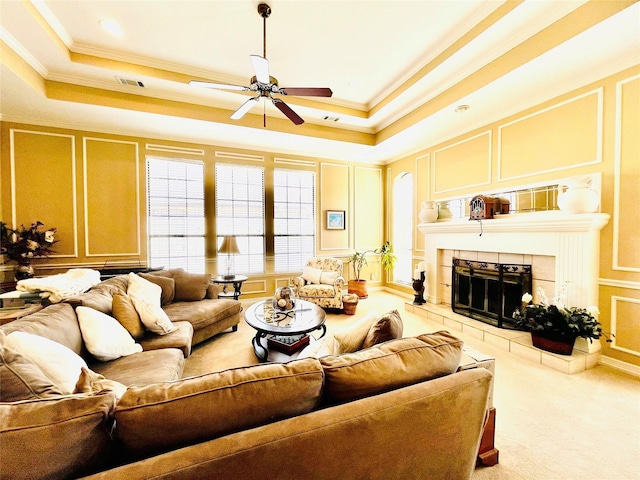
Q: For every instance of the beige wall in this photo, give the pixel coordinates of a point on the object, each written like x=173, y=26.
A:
x=92, y=188
x=590, y=130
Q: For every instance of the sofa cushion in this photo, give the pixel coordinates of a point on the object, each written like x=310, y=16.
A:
x=190, y=287
x=20, y=378
x=180, y=338
x=212, y=405
x=103, y=336
x=67, y=437
x=92, y=382
x=203, y=313
x=390, y=365
x=328, y=277
x=166, y=283
x=57, y=362
x=146, y=298
x=56, y=322
x=351, y=337
x=387, y=327
x=125, y=313
x=143, y=368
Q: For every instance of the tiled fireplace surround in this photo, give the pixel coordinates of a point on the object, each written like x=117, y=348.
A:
x=563, y=249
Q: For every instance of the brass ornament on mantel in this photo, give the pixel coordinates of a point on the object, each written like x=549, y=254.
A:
x=482, y=207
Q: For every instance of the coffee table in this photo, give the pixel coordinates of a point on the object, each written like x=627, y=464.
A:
x=304, y=318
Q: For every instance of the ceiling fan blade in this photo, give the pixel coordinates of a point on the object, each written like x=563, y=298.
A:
x=286, y=109
x=221, y=86
x=261, y=68
x=244, y=108
x=307, y=92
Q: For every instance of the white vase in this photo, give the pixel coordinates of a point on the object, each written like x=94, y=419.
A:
x=576, y=196
x=428, y=214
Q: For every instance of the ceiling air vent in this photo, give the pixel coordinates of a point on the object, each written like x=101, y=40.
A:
x=127, y=81
x=330, y=119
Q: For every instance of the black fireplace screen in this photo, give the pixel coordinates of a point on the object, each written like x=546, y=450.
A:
x=487, y=291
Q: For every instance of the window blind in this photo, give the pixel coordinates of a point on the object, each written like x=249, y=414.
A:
x=240, y=212
x=175, y=220
x=294, y=218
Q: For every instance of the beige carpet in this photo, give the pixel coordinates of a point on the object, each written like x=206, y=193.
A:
x=549, y=425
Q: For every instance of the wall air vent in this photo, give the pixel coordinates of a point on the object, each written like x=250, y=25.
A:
x=127, y=81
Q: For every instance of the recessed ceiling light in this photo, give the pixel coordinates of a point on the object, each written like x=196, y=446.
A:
x=111, y=26
x=462, y=108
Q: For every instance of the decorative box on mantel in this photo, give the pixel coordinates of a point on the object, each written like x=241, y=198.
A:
x=573, y=239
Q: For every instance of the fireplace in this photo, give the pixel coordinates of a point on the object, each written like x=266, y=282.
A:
x=488, y=291
x=573, y=240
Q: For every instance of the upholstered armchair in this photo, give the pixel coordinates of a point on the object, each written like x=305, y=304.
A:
x=321, y=282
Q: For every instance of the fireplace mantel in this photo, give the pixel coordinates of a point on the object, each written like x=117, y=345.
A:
x=573, y=239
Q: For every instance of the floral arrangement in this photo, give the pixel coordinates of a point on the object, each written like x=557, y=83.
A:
x=24, y=244
x=556, y=321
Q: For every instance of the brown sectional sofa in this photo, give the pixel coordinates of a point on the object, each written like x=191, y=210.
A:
x=399, y=409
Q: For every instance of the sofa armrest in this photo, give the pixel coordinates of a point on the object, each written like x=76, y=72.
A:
x=339, y=283
x=299, y=282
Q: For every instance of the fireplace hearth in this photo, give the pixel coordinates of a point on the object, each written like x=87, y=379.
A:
x=488, y=291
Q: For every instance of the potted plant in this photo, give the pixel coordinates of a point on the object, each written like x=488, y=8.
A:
x=555, y=328
x=358, y=285
x=25, y=244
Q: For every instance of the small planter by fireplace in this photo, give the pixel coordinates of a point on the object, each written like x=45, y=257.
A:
x=561, y=346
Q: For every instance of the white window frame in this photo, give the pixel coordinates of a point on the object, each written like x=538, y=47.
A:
x=175, y=214
x=294, y=218
x=240, y=211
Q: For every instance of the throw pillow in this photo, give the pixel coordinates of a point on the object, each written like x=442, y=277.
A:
x=103, y=335
x=387, y=327
x=199, y=408
x=311, y=275
x=351, y=337
x=20, y=378
x=92, y=382
x=190, y=287
x=167, y=284
x=57, y=362
x=390, y=365
x=146, y=298
x=124, y=312
x=328, y=278
x=67, y=437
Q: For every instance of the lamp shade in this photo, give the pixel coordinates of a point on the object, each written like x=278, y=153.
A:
x=229, y=246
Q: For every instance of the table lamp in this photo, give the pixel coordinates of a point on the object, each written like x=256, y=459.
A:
x=230, y=247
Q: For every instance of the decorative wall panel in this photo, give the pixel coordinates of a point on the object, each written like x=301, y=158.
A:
x=626, y=217
x=463, y=164
x=43, y=185
x=625, y=324
x=333, y=194
x=368, y=211
x=112, y=218
x=563, y=136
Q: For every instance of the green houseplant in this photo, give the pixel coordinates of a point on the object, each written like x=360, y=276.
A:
x=358, y=260
x=554, y=327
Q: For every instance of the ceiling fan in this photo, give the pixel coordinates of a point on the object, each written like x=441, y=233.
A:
x=264, y=84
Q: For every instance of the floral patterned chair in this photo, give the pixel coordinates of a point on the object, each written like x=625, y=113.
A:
x=321, y=282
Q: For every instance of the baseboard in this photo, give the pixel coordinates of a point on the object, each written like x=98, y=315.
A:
x=620, y=365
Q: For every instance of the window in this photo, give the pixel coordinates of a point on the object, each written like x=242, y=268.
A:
x=294, y=218
x=403, y=227
x=240, y=212
x=175, y=222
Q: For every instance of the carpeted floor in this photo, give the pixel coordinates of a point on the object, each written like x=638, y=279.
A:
x=549, y=425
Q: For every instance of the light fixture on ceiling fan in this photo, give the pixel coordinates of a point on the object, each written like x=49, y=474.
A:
x=264, y=84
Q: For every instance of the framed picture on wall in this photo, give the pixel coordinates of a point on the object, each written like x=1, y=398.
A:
x=335, y=219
